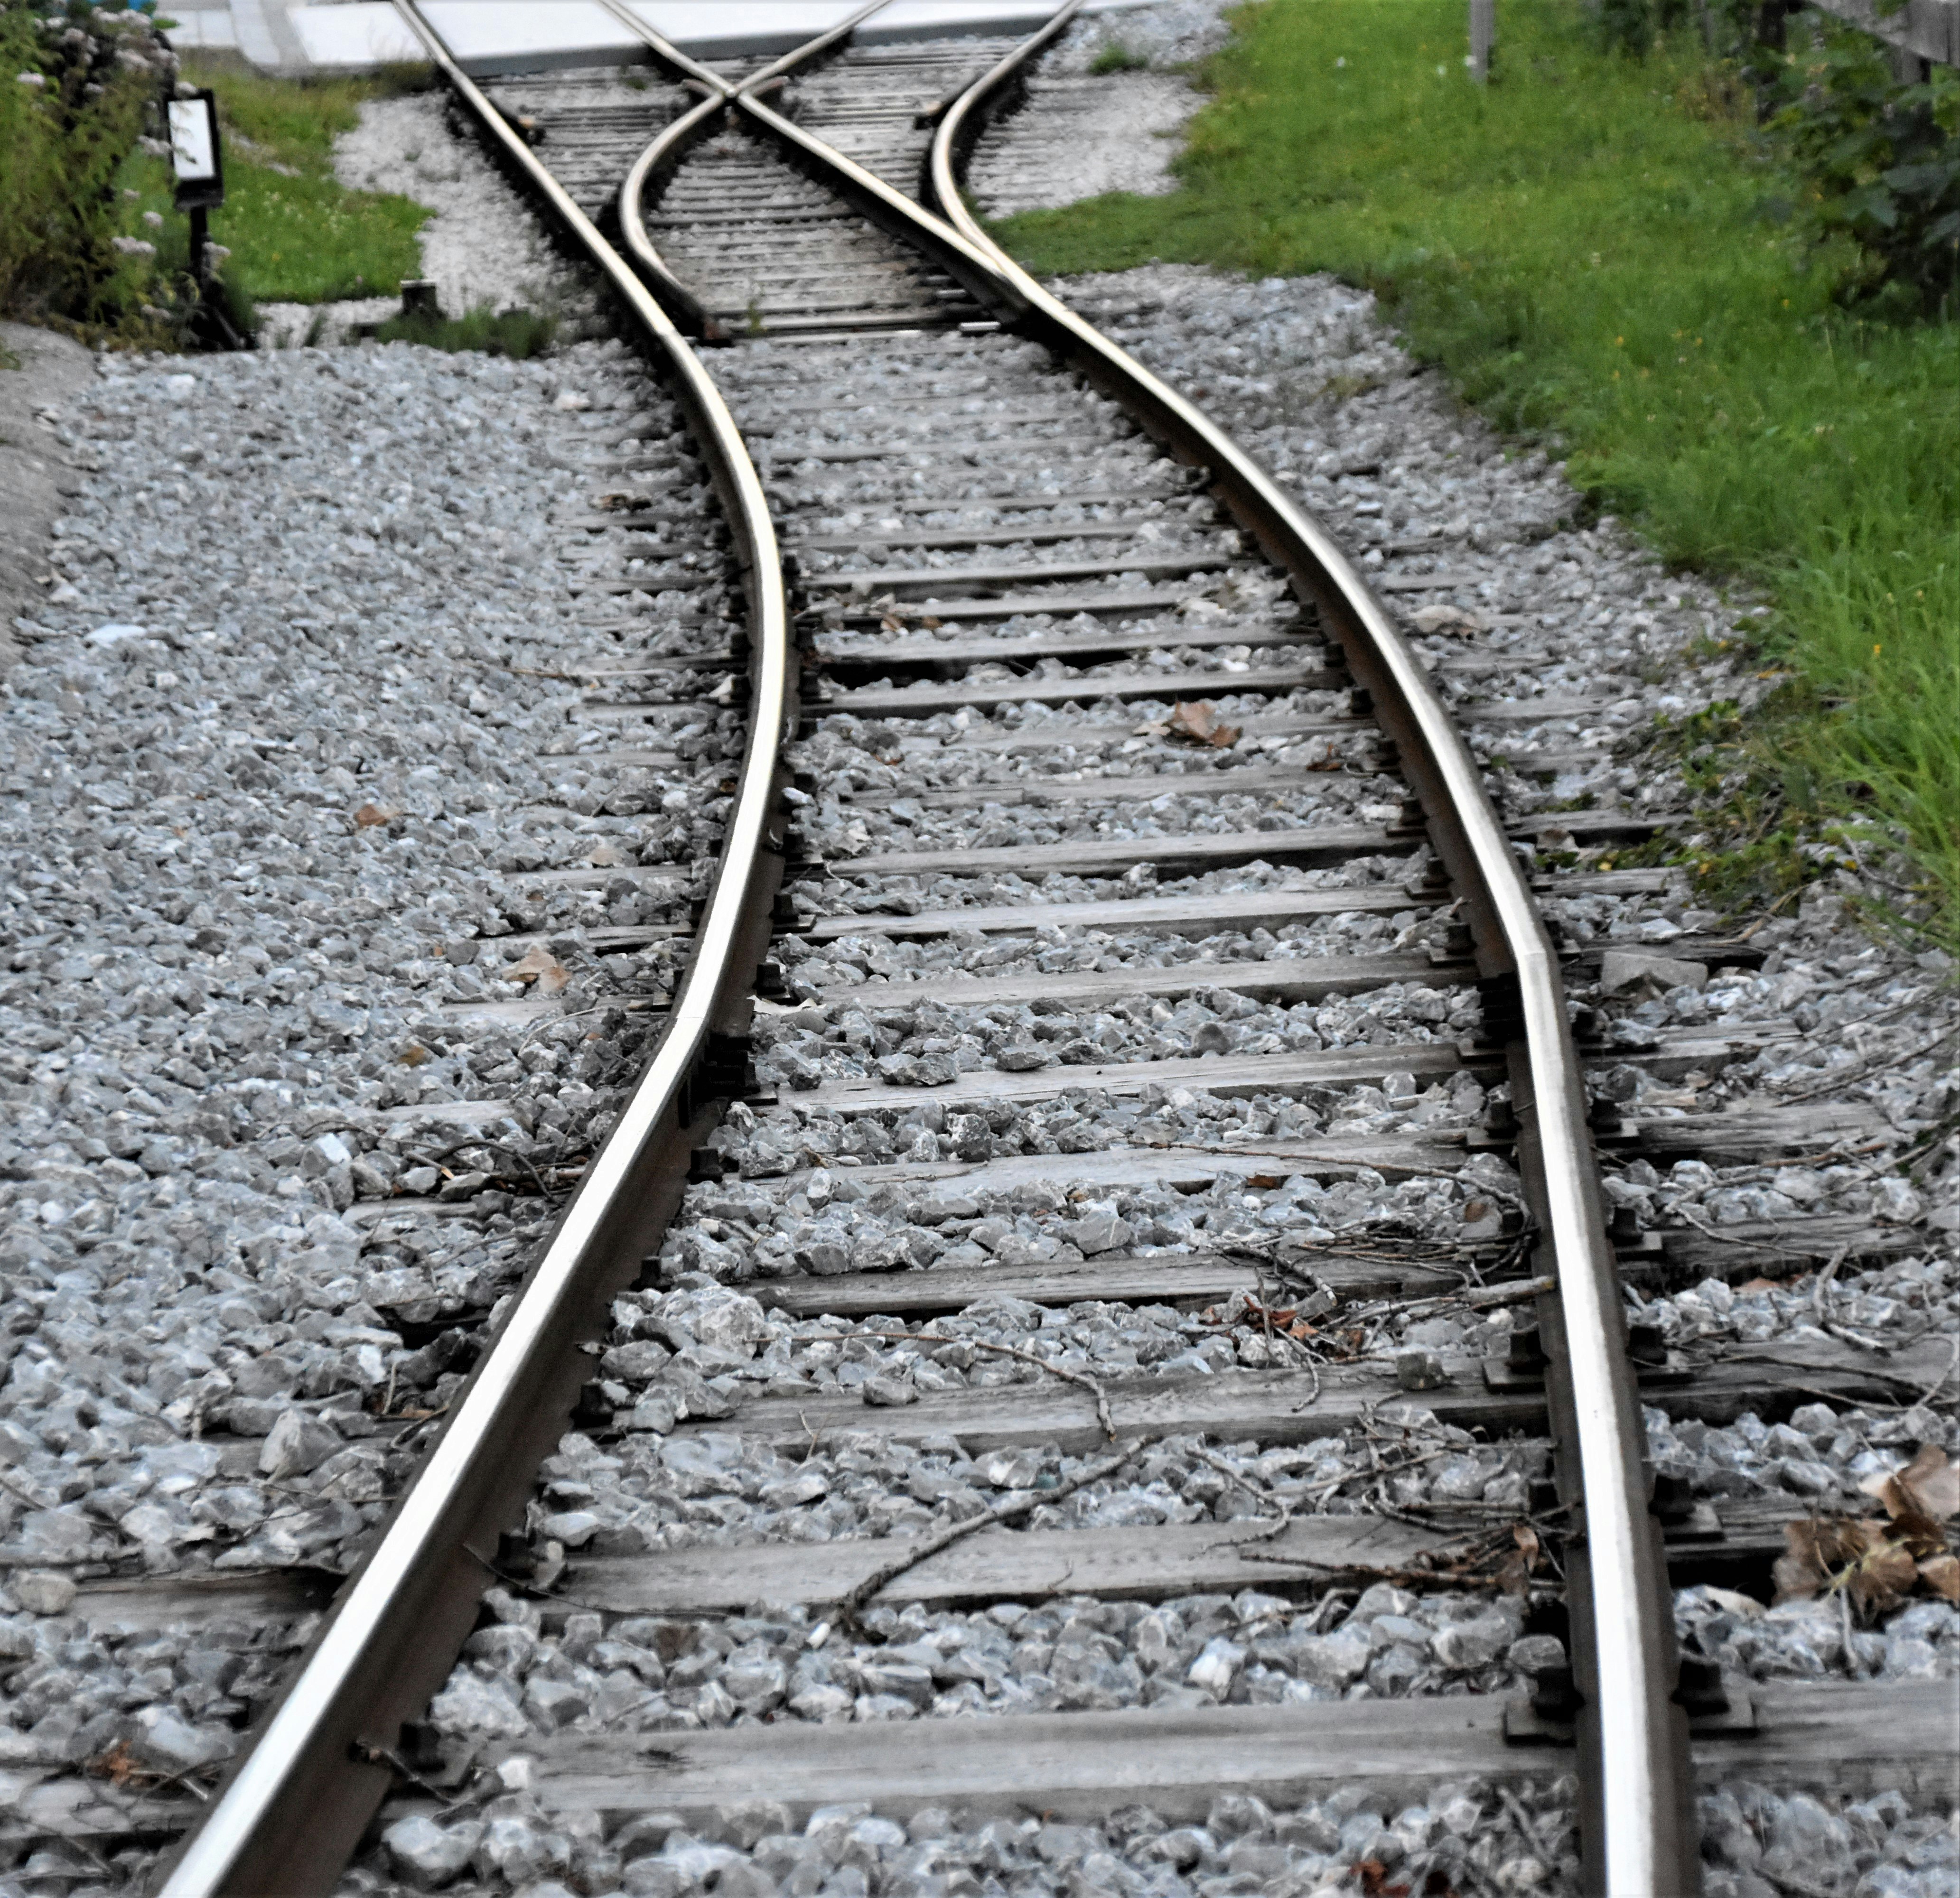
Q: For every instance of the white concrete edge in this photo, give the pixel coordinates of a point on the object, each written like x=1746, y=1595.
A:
x=494, y=37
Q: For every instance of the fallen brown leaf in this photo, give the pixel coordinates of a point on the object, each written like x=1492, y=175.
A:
x=1859, y=1559
x=1941, y=1573
x=542, y=969
x=1514, y=1573
x=1199, y=720
x=624, y=504
x=369, y=815
x=1929, y=1486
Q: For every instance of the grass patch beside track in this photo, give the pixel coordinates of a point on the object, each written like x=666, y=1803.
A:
x=516, y=333
x=1604, y=252
x=295, y=233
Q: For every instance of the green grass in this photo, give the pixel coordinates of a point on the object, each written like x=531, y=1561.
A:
x=296, y=235
x=1606, y=253
x=516, y=333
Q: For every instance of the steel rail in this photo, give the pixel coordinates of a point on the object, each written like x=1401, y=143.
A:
x=660, y=157
x=1639, y=1784
x=293, y=1807
x=673, y=142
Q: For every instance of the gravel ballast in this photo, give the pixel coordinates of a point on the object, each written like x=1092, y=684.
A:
x=289, y=734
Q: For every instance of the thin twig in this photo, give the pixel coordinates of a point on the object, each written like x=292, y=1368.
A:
x=1081, y=1377
x=1005, y=1511
x=1274, y=1526
x=1478, y=1298
x=1863, y=1071
x=1824, y=1277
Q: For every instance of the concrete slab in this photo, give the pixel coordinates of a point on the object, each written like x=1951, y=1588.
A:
x=491, y=37
x=208, y=28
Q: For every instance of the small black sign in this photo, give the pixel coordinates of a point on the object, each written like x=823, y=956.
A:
x=199, y=163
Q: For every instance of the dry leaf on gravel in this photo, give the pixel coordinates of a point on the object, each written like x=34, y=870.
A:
x=368, y=816
x=1200, y=720
x=1929, y=1486
x=1514, y=1573
x=624, y=504
x=1857, y=1559
x=542, y=969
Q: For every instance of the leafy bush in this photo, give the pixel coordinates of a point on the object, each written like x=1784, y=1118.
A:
x=1883, y=161
x=67, y=122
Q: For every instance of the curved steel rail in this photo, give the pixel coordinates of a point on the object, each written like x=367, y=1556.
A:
x=658, y=159
x=1638, y=1782
x=673, y=143
x=293, y=1806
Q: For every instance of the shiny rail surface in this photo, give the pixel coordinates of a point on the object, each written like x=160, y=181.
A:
x=1638, y=1780
x=288, y=1815
x=319, y=1767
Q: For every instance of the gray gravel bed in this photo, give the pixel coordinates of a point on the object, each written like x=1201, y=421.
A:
x=1889, y=1306
x=908, y=1039
x=278, y=760
x=904, y=961
x=907, y=895
x=1478, y=1839
x=841, y=832
x=651, y=1673
x=678, y=1349
x=832, y=1223
x=1757, y=1843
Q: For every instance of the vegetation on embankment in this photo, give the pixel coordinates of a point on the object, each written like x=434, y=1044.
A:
x=295, y=233
x=1606, y=251
x=90, y=237
x=78, y=89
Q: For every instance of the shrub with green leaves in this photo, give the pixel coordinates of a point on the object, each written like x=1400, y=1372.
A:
x=1883, y=160
x=74, y=113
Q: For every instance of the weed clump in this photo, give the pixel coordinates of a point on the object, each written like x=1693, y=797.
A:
x=1115, y=57
x=515, y=333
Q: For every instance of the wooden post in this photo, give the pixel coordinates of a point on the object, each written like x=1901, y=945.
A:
x=1483, y=38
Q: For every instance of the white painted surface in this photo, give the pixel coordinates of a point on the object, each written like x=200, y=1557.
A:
x=490, y=35
x=209, y=27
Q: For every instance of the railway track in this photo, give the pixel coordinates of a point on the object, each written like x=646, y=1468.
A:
x=1120, y=1030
